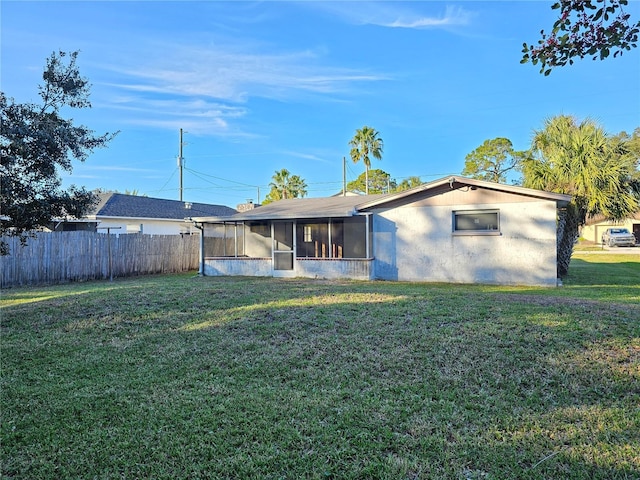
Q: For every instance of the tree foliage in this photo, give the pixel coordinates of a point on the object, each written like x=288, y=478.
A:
x=580, y=159
x=584, y=28
x=36, y=142
x=379, y=181
x=407, y=183
x=492, y=160
x=285, y=185
x=366, y=143
x=631, y=155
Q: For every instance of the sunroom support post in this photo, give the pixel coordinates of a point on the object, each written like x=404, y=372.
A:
x=367, y=236
x=224, y=239
x=244, y=238
x=235, y=239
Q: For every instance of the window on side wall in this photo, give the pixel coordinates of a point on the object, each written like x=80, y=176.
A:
x=476, y=222
x=134, y=228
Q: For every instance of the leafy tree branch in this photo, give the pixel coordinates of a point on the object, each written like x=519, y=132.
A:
x=36, y=142
x=584, y=28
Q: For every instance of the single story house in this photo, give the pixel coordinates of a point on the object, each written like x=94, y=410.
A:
x=455, y=230
x=122, y=214
x=596, y=226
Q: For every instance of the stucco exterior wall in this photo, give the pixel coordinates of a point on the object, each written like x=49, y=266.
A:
x=355, y=269
x=149, y=227
x=415, y=242
x=253, y=267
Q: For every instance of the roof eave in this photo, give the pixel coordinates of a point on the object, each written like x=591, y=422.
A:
x=260, y=218
x=560, y=198
x=102, y=218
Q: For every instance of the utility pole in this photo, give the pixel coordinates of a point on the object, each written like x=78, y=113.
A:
x=180, y=164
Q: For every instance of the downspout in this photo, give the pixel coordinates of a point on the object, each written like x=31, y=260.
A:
x=201, y=267
x=370, y=246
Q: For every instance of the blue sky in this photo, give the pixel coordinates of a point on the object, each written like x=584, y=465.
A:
x=261, y=86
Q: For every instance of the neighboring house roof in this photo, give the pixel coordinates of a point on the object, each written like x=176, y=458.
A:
x=352, y=205
x=119, y=205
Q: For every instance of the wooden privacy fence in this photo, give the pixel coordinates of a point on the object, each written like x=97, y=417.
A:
x=60, y=257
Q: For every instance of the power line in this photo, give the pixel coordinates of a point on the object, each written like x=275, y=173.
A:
x=224, y=155
x=200, y=176
x=321, y=186
x=220, y=178
x=167, y=182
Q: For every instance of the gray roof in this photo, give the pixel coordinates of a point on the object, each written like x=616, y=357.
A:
x=133, y=206
x=336, y=207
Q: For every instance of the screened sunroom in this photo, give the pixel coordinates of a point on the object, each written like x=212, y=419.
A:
x=299, y=237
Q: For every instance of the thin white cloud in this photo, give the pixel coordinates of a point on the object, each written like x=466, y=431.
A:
x=453, y=16
x=195, y=108
x=225, y=74
x=206, y=88
x=306, y=156
x=200, y=116
x=115, y=168
x=395, y=15
x=214, y=126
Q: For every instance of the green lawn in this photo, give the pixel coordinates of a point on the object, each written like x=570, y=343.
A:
x=178, y=376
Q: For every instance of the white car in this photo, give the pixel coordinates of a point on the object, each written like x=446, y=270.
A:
x=618, y=237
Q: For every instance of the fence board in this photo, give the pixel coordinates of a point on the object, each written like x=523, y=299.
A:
x=60, y=257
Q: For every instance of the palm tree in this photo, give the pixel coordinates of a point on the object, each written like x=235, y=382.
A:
x=296, y=187
x=581, y=160
x=285, y=186
x=280, y=181
x=366, y=142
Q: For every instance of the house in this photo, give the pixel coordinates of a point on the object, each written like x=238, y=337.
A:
x=596, y=225
x=455, y=230
x=123, y=213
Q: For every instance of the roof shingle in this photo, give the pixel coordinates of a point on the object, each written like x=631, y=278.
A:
x=133, y=206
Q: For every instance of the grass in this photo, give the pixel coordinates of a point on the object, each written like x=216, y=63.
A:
x=185, y=377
